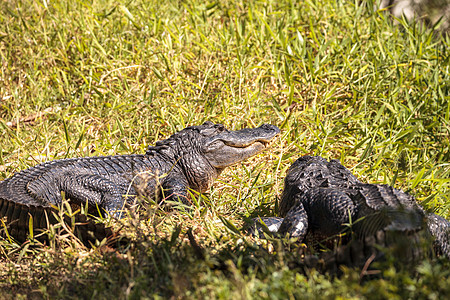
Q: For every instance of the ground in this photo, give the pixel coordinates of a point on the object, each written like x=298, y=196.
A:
x=341, y=80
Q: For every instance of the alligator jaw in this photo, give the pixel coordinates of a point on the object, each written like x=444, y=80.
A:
x=231, y=147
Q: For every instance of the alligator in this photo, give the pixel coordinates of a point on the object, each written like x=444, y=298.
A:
x=323, y=198
x=188, y=160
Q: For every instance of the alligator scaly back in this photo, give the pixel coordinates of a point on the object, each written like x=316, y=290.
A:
x=322, y=198
x=188, y=160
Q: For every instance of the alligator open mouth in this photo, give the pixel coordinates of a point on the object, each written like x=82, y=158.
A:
x=230, y=147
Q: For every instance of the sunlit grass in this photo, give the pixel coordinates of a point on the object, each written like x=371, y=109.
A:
x=86, y=78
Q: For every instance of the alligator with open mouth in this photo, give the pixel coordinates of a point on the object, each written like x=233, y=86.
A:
x=188, y=160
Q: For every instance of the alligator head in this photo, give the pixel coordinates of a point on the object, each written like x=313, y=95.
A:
x=224, y=148
x=202, y=152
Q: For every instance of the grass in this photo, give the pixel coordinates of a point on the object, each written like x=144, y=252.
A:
x=86, y=78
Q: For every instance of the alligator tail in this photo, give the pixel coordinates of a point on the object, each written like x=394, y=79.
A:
x=28, y=221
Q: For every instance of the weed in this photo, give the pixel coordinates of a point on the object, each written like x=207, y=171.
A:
x=86, y=78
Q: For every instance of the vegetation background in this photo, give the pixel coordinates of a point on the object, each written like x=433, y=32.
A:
x=340, y=78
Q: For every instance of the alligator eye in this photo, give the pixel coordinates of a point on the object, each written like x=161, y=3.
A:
x=208, y=123
x=220, y=127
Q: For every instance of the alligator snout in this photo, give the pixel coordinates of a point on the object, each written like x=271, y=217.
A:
x=230, y=147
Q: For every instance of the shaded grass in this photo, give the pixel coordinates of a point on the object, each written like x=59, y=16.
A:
x=115, y=76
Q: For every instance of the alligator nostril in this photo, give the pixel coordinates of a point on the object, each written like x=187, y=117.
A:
x=270, y=127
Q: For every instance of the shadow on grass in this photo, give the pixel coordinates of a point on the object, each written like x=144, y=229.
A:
x=182, y=265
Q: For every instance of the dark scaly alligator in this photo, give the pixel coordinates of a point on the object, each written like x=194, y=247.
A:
x=190, y=159
x=319, y=197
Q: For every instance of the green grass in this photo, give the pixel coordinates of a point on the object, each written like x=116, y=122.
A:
x=112, y=77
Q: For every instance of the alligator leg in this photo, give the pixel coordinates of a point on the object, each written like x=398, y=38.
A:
x=261, y=225
x=295, y=222
x=175, y=189
x=95, y=190
x=328, y=209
